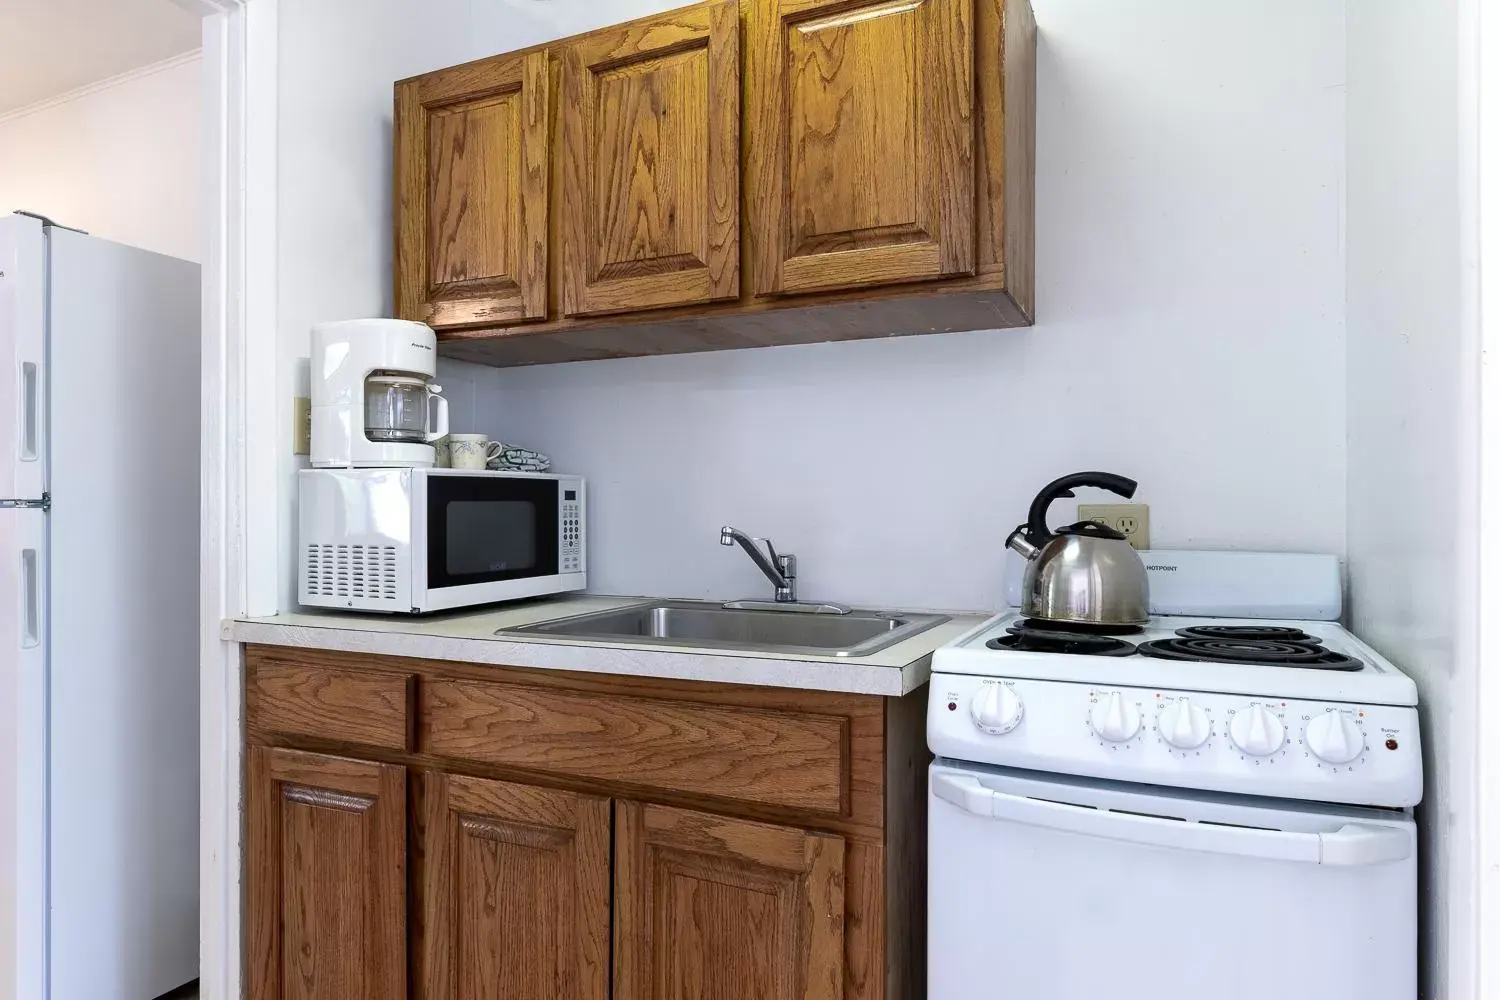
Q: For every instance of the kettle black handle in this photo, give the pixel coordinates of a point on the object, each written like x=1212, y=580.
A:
x=1036, y=518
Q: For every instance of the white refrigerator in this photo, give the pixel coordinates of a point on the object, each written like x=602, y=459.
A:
x=99, y=418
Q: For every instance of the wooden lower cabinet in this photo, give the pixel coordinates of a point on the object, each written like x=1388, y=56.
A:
x=514, y=885
x=428, y=830
x=709, y=907
x=325, y=877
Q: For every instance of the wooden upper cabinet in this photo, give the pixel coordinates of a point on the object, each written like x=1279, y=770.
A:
x=712, y=907
x=862, y=151
x=651, y=162
x=325, y=873
x=515, y=892
x=471, y=176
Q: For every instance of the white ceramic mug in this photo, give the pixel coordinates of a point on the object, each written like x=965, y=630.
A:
x=442, y=453
x=473, y=451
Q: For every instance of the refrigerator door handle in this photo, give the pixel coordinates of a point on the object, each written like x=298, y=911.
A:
x=31, y=416
x=31, y=600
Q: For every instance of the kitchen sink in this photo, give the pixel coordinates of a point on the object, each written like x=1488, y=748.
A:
x=712, y=625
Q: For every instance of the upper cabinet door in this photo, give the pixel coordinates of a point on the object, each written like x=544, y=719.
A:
x=471, y=193
x=862, y=152
x=651, y=159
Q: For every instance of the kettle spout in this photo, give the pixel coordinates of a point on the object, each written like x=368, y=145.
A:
x=1020, y=543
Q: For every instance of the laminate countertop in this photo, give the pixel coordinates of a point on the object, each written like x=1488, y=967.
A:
x=469, y=637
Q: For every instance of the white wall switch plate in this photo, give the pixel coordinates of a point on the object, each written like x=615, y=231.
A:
x=1133, y=520
x=301, y=425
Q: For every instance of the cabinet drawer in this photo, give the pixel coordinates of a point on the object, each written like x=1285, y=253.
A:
x=358, y=706
x=796, y=760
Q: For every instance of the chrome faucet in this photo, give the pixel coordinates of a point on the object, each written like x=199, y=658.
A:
x=781, y=570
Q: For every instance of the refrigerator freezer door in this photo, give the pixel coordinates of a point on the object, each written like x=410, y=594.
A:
x=23, y=753
x=23, y=349
x=123, y=694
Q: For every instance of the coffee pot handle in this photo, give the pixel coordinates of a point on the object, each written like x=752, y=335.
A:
x=439, y=425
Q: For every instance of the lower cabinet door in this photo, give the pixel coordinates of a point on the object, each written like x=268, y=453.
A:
x=714, y=907
x=515, y=892
x=325, y=874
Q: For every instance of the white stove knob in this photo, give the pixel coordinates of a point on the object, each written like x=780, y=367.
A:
x=1183, y=724
x=1257, y=731
x=996, y=709
x=1115, y=719
x=1333, y=737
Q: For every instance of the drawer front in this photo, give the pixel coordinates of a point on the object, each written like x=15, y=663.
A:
x=358, y=706
x=777, y=758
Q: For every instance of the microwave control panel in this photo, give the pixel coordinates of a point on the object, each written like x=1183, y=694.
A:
x=570, y=553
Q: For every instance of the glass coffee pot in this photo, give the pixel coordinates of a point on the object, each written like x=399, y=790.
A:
x=398, y=408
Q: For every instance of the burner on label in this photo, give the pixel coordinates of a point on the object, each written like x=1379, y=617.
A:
x=1034, y=640
x=1077, y=628
x=1247, y=632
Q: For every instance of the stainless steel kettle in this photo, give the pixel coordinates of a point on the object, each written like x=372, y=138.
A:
x=1085, y=573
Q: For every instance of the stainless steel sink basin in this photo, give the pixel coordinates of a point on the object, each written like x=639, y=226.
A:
x=711, y=625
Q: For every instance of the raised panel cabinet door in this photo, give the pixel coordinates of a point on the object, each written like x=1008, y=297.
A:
x=325, y=874
x=862, y=149
x=715, y=908
x=471, y=193
x=514, y=883
x=651, y=156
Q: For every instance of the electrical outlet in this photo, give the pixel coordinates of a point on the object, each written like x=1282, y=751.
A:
x=301, y=425
x=1133, y=520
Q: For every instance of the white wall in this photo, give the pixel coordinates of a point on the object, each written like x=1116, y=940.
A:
x=121, y=159
x=1190, y=286
x=1487, y=700
x=1190, y=282
x=337, y=63
x=1413, y=369
x=1192, y=276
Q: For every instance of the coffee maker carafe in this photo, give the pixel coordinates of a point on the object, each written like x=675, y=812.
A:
x=374, y=403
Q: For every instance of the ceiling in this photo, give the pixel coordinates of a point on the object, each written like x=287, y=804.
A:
x=49, y=47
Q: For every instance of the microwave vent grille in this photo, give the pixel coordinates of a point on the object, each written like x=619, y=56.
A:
x=361, y=571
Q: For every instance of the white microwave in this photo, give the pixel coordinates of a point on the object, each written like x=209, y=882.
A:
x=419, y=540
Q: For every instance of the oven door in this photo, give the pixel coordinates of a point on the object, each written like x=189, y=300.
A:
x=1075, y=889
x=489, y=530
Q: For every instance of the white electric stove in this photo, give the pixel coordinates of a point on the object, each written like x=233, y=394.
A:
x=1215, y=805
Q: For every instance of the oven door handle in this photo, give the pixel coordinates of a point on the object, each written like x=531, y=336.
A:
x=1351, y=845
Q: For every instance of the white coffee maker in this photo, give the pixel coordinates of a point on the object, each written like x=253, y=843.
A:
x=374, y=403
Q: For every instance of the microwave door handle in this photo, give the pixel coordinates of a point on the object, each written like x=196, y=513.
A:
x=1352, y=845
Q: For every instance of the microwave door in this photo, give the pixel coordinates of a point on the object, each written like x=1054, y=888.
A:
x=489, y=529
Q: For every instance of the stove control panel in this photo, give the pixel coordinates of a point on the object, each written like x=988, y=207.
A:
x=995, y=708
x=1336, y=736
x=1322, y=751
x=1258, y=729
x=1183, y=724
x=1115, y=717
